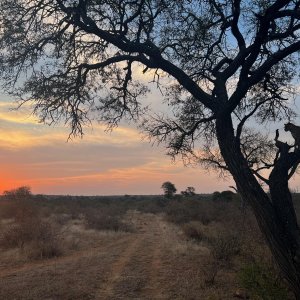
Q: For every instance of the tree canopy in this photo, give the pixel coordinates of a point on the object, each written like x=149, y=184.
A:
x=189, y=191
x=169, y=189
x=19, y=194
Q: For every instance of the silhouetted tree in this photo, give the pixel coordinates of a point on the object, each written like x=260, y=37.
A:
x=18, y=194
x=189, y=191
x=169, y=189
x=222, y=63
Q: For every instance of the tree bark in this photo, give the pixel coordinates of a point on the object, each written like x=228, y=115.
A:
x=276, y=216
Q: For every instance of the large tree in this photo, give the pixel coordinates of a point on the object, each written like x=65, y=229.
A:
x=228, y=62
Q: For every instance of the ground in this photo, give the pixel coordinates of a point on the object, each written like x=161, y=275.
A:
x=153, y=260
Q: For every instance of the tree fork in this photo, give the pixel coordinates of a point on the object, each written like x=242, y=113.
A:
x=268, y=217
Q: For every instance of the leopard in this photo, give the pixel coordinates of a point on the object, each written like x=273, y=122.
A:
x=295, y=132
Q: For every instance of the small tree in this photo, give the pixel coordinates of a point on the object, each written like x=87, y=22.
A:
x=169, y=189
x=20, y=193
x=20, y=207
x=190, y=191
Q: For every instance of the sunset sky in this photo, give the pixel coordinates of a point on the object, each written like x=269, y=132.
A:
x=101, y=163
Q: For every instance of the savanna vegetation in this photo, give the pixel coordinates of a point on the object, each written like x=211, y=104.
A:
x=135, y=247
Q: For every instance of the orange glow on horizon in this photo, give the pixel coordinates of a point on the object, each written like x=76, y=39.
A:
x=119, y=163
x=115, y=181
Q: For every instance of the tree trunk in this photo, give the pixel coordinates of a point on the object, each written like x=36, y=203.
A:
x=276, y=216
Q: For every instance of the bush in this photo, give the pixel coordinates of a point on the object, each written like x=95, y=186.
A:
x=223, y=196
x=184, y=211
x=179, y=213
x=29, y=232
x=20, y=193
x=261, y=282
x=23, y=229
x=45, y=242
x=193, y=231
x=189, y=191
x=210, y=270
x=40, y=239
x=14, y=236
x=225, y=246
x=148, y=204
x=105, y=220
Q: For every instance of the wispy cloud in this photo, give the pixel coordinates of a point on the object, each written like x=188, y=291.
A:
x=10, y=113
x=19, y=129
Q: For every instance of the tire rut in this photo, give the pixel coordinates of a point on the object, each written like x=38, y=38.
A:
x=138, y=273
x=117, y=269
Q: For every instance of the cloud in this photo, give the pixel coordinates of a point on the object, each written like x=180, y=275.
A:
x=17, y=138
x=23, y=115
x=18, y=130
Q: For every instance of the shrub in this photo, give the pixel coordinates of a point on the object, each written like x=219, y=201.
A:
x=20, y=193
x=261, y=282
x=26, y=222
x=105, y=220
x=184, y=211
x=45, y=243
x=223, y=196
x=193, y=231
x=39, y=238
x=179, y=212
x=216, y=195
x=14, y=236
x=190, y=191
x=29, y=232
x=225, y=246
x=18, y=209
x=211, y=270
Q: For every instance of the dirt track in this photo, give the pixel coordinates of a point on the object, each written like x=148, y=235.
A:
x=137, y=272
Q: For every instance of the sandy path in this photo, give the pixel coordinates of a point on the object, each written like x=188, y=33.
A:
x=118, y=266
x=137, y=273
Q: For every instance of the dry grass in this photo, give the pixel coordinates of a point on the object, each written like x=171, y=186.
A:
x=234, y=242
x=131, y=248
x=29, y=232
x=106, y=219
